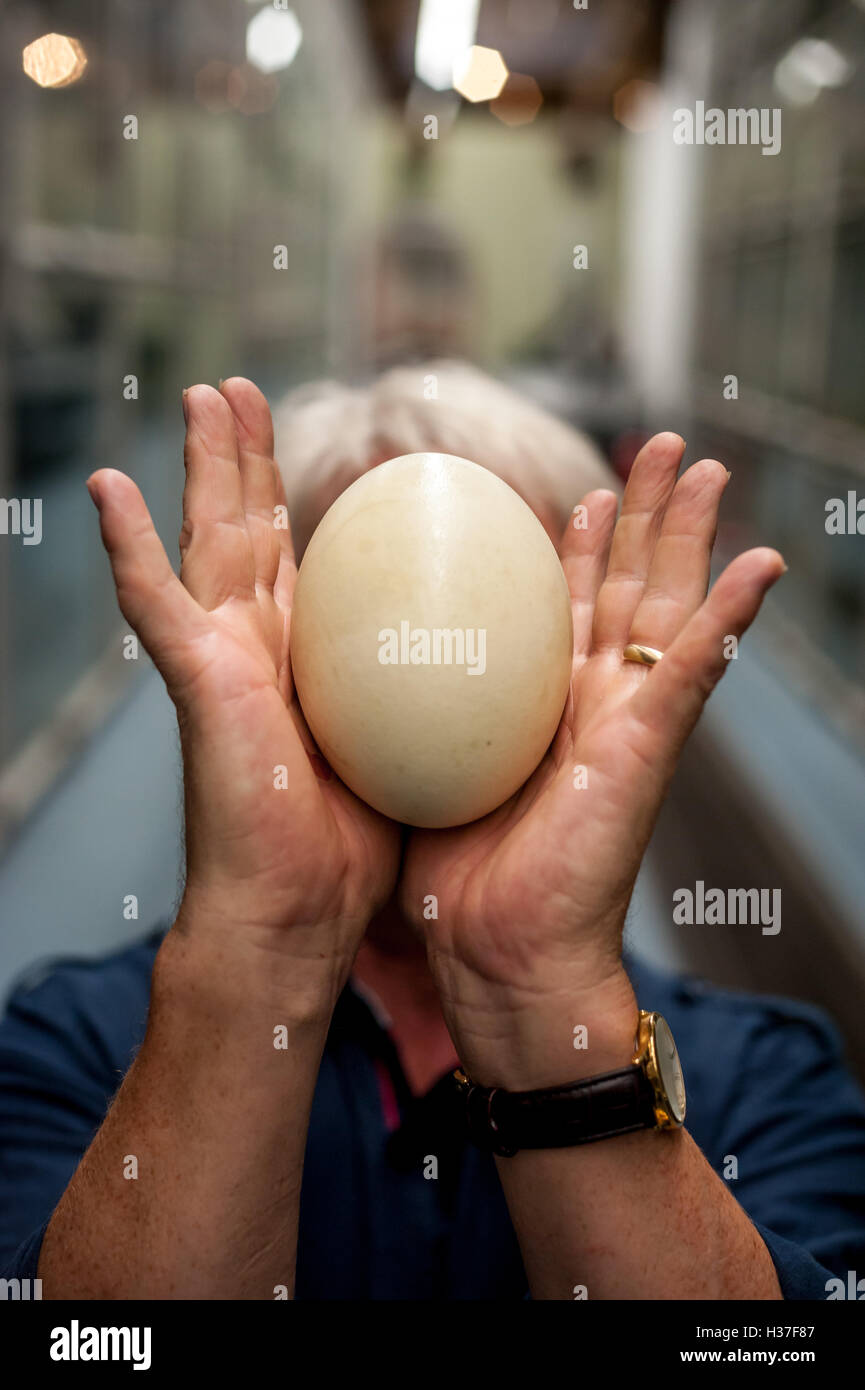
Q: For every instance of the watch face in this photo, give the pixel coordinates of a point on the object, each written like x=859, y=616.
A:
x=670, y=1070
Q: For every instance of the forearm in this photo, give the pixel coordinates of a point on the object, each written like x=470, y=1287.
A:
x=213, y=1118
x=642, y=1216
x=639, y=1216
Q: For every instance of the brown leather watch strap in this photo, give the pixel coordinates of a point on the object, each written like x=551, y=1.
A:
x=617, y=1102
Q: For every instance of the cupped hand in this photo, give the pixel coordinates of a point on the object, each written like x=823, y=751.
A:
x=524, y=909
x=273, y=840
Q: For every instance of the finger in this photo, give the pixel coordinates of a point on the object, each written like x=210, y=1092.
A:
x=670, y=700
x=254, y=431
x=679, y=573
x=583, y=550
x=216, y=553
x=151, y=597
x=283, y=589
x=648, y=491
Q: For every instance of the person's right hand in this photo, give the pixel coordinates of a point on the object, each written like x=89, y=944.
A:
x=300, y=868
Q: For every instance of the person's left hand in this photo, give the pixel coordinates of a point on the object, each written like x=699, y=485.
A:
x=530, y=901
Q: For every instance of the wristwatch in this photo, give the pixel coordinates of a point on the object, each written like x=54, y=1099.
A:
x=647, y=1094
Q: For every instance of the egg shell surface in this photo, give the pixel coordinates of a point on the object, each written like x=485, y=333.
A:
x=431, y=639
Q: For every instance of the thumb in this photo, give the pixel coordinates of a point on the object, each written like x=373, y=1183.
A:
x=150, y=595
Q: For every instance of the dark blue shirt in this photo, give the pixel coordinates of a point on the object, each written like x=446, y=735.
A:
x=769, y=1099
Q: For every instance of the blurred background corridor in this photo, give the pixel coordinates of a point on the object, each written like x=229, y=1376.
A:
x=496, y=180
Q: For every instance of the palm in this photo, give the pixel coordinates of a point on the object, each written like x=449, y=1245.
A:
x=261, y=807
x=568, y=846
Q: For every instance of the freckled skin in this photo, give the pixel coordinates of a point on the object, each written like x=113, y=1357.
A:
x=280, y=886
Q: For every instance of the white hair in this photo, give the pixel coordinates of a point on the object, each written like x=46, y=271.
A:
x=327, y=435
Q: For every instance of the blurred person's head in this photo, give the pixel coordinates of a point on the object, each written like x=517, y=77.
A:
x=327, y=435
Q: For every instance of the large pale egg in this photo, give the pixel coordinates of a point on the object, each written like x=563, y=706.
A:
x=431, y=639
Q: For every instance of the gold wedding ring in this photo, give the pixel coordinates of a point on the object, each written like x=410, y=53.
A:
x=645, y=656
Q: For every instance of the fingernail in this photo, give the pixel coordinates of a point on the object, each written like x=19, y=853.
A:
x=94, y=492
x=729, y=473
x=221, y=380
x=183, y=403
x=779, y=574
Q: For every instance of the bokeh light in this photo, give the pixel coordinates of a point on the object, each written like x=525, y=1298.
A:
x=637, y=106
x=480, y=74
x=249, y=91
x=809, y=66
x=273, y=38
x=211, y=86
x=54, y=60
x=520, y=100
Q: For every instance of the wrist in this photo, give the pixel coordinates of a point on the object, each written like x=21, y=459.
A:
x=548, y=1037
x=230, y=903
x=237, y=966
